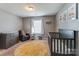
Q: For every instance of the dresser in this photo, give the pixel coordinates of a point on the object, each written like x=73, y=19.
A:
x=8, y=39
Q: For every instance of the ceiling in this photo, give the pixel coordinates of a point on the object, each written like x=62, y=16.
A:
x=41, y=9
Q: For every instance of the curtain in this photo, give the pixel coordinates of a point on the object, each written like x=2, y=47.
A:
x=37, y=26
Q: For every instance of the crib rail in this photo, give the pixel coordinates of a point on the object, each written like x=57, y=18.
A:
x=61, y=46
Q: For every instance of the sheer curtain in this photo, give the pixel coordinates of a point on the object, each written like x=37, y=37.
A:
x=37, y=28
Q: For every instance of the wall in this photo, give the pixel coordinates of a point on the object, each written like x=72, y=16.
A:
x=9, y=23
x=47, y=28
x=27, y=25
x=71, y=24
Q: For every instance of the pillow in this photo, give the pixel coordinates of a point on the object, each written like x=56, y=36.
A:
x=32, y=48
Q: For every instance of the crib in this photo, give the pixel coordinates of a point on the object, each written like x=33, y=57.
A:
x=61, y=46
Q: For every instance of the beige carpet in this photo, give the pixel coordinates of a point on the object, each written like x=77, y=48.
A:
x=10, y=51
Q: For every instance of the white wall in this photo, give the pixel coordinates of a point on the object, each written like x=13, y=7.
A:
x=9, y=23
x=71, y=24
x=27, y=25
x=47, y=28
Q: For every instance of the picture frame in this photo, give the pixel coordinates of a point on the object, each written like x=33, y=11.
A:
x=65, y=13
x=61, y=18
x=73, y=12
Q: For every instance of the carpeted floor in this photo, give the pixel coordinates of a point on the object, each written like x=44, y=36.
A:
x=10, y=51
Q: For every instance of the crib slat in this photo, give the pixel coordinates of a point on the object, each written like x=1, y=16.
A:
x=60, y=45
x=51, y=45
x=74, y=44
x=70, y=45
x=57, y=45
x=67, y=46
x=54, y=45
x=64, y=46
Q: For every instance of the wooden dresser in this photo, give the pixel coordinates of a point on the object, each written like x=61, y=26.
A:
x=8, y=39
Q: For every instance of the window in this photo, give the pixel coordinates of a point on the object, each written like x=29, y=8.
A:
x=37, y=27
